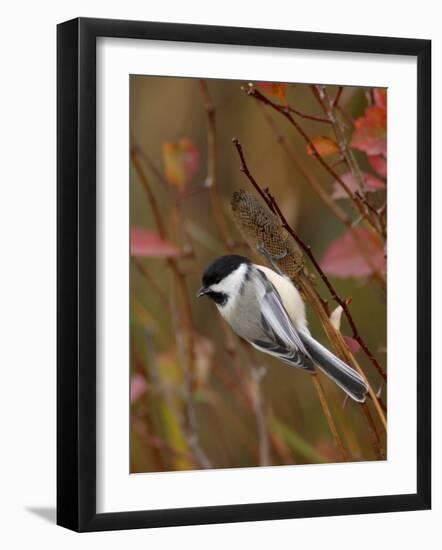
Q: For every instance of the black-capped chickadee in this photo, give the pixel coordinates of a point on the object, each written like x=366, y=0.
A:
x=266, y=309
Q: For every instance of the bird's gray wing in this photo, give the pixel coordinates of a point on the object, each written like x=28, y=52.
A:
x=282, y=339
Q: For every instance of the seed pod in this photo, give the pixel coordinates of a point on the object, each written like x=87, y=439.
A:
x=261, y=228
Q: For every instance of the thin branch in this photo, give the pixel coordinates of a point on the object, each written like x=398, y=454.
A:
x=303, y=115
x=374, y=436
x=321, y=192
x=261, y=420
x=253, y=92
x=338, y=342
x=134, y=153
x=189, y=427
x=188, y=363
x=325, y=407
x=376, y=214
x=338, y=96
x=272, y=204
x=327, y=106
x=212, y=166
x=152, y=167
x=257, y=373
x=149, y=424
x=323, y=195
x=255, y=402
x=243, y=390
x=145, y=273
x=244, y=168
x=340, y=301
x=242, y=393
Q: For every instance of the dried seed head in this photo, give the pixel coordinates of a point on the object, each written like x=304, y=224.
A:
x=261, y=228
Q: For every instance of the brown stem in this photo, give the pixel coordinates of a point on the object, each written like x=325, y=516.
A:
x=322, y=194
x=348, y=117
x=382, y=228
x=257, y=373
x=261, y=419
x=339, y=301
x=245, y=169
x=157, y=288
x=189, y=363
x=338, y=342
x=253, y=402
x=327, y=106
x=186, y=363
x=149, y=162
x=138, y=365
x=329, y=417
x=271, y=203
x=253, y=92
x=212, y=166
x=375, y=440
x=150, y=196
x=303, y=115
x=257, y=404
x=338, y=96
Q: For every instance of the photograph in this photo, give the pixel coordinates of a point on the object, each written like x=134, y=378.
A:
x=258, y=274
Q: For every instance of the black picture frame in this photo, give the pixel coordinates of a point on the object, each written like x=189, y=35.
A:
x=76, y=274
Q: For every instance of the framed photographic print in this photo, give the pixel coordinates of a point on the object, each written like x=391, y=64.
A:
x=243, y=274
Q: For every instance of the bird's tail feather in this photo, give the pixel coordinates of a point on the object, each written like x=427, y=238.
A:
x=344, y=376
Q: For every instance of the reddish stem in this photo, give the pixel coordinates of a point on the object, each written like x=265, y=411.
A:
x=273, y=205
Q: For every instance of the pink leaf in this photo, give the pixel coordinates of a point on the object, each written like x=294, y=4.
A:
x=138, y=386
x=380, y=97
x=148, y=244
x=352, y=344
x=181, y=161
x=344, y=257
x=370, y=133
x=379, y=164
x=372, y=184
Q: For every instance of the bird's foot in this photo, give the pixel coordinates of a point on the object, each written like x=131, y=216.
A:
x=271, y=258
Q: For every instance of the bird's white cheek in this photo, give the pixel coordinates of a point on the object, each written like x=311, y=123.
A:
x=226, y=310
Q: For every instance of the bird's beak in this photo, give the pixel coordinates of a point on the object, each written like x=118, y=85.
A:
x=203, y=290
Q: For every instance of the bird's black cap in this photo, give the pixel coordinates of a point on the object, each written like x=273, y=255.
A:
x=221, y=267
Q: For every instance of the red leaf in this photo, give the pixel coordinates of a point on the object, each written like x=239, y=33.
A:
x=380, y=97
x=138, y=386
x=181, y=161
x=370, y=133
x=372, y=184
x=344, y=258
x=274, y=89
x=148, y=244
x=324, y=146
x=352, y=344
x=379, y=164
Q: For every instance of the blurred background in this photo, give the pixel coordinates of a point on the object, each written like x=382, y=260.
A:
x=199, y=397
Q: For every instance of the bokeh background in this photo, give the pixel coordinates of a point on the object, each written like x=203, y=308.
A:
x=199, y=398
